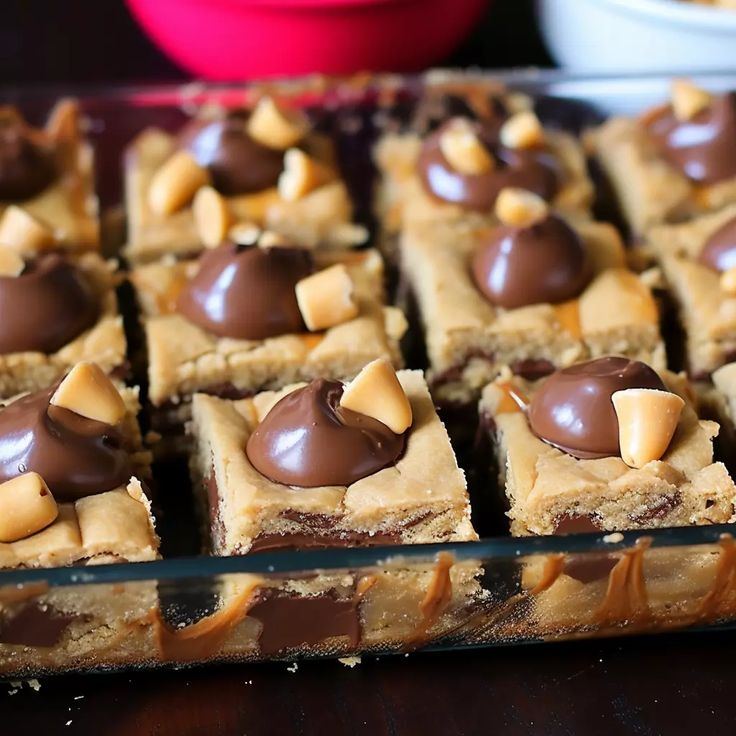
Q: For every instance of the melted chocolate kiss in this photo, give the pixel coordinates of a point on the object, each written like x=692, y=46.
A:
x=45, y=307
x=246, y=293
x=703, y=148
x=237, y=163
x=535, y=170
x=573, y=411
x=309, y=440
x=25, y=168
x=545, y=263
x=719, y=251
x=76, y=456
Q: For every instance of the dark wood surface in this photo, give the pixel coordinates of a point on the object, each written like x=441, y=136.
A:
x=675, y=684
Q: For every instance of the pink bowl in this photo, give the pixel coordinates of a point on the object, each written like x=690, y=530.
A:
x=238, y=39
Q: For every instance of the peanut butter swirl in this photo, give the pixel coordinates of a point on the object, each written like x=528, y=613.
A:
x=26, y=168
x=544, y=263
x=309, y=440
x=45, y=307
x=703, y=148
x=237, y=163
x=535, y=170
x=573, y=410
x=76, y=456
x=246, y=293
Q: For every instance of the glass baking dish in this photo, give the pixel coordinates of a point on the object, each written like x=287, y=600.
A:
x=344, y=602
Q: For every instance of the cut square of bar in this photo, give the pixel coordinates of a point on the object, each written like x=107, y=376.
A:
x=672, y=162
x=691, y=255
x=92, y=509
x=469, y=340
x=47, y=189
x=552, y=491
x=184, y=357
x=420, y=498
x=267, y=165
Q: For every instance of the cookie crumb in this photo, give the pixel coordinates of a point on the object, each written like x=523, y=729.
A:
x=293, y=667
x=349, y=661
x=614, y=538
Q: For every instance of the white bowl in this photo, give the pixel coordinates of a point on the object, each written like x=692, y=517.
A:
x=638, y=35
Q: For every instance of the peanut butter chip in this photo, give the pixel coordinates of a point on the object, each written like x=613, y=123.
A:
x=463, y=150
x=688, y=99
x=26, y=507
x=25, y=233
x=11, y=263
x=326, y=298
x=275, y=126
x=647, y=420
x=211, y=216
x=175, y=183
x=87, y=391
x=377, y=393
x=520, y=208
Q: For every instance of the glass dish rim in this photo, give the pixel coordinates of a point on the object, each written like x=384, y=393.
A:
x=290, y=561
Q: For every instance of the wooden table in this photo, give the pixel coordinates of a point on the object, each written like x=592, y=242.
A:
x=669, y=684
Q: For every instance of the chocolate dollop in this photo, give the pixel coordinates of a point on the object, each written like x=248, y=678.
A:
x=246, y=293
x=26, y=169
x=703, y=148
x=573, y=411
x=719, y=251
x=534, y=169
x=309, y=440
x=48, y=305
x=237, y=163
x=76, y=456
x=543, y=263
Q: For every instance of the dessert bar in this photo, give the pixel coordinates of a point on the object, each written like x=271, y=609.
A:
x=71, y=493
x=536, y=293
x=672, y=162
x=264, y=166
x=607, y=445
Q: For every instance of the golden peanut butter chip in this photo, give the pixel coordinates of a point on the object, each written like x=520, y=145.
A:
x=26, y=507
x=276, y=126
x=11, y=263
x=647, y=419
x=463, y=150
x=175, y=183
x=688, y=99
x=520, y=208
x=522, y=130
x=301, y=175
x=326, y=298
x=211, y=216
x=87, y=391
x=377, y=393
x=25, y=233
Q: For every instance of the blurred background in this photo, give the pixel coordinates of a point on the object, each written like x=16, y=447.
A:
x=98, y=41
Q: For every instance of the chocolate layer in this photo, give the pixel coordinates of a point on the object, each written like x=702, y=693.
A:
x=572, y=410
x=75, y=456
x=290, y=621
x=246, y=293
x=535, y=170
x=309, y=440
x=704, y=148
x=237, y=163
x=26, y=169
x=35, y=625
x=46, y=307
x=719, y=251
x=545, y=263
